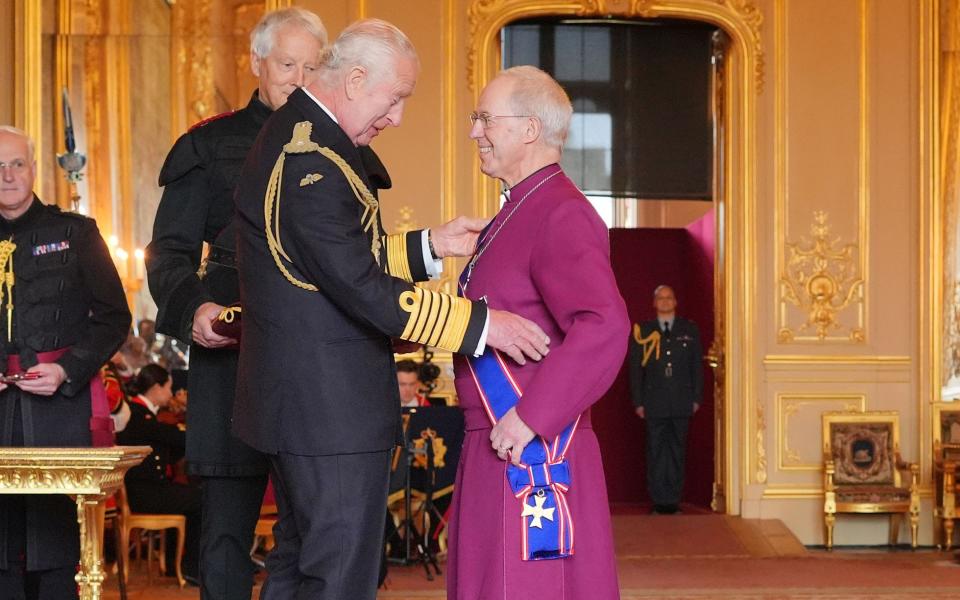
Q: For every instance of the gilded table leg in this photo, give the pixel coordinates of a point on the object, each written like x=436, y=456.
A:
x=90, y=576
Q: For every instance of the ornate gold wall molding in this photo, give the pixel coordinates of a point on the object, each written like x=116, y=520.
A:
x=760, y=445
x=406, y=223
x=27, y=74
x=790, y=405
x=807, y=292
x=192, y=73
x=842, y=360
x=821, y=278
x=245, y=17
x=487, y=17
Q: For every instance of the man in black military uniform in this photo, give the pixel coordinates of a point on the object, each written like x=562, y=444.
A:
x=322, y=291
x=666, y=383
x=199, y=177
x=63, y=313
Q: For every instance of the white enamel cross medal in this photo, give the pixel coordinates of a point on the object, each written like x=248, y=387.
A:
x=537, y=511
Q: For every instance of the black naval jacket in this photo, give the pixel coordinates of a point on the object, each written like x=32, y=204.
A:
x=167, y=441
x=199, y=177
x=670, y=385
x=66, y=294
x=316, y=373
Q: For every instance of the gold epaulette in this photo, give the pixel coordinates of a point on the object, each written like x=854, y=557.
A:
x=650, y=344
x=398, y=261
x=436, y=319
x=300, y=143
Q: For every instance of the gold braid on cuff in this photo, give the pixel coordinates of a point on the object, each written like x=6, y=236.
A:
x=398, y=262
x=436, y=319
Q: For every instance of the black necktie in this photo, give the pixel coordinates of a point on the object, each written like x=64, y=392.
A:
x=666, y=328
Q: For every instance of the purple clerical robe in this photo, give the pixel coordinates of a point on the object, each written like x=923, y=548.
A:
x=550, y=263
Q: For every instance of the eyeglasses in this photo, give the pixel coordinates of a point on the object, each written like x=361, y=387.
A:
x=16, y=165
x=488, y=119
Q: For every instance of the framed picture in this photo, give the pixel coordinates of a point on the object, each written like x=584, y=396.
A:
x=863, y=447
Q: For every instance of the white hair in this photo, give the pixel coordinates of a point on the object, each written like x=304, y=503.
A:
x=664, y=286
x=31, y=148
x=538, y=94
x=264, y=33
x=372, y=44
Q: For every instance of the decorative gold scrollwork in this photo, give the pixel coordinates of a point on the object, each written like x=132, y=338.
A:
x=821, y=278
x=406, y=223
x=439, y=449
x=486, y=16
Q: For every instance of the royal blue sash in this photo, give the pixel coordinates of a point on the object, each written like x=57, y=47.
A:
x=543, y=477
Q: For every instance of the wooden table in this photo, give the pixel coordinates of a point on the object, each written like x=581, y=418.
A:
x=90, y=476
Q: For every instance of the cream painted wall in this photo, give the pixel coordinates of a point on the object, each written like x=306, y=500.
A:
x=840, y=116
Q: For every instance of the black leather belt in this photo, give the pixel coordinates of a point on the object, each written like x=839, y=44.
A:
x=222, y=256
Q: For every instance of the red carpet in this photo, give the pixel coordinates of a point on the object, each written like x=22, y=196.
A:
x=702, y=557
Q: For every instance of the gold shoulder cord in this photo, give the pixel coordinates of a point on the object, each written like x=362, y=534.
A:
x=300, y=143
x=650, y=344
x=6, y=280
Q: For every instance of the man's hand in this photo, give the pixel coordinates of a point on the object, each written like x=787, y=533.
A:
x=510, y=436
x=401, y=346
x=203, y=332
x=696, y=407
x=641, y=413
x=516, y=336
x=458, y=237
x=49, y=376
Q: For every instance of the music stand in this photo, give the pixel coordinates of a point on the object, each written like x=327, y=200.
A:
x=416, y=470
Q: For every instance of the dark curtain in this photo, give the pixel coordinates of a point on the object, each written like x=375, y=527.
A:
x=643, y=259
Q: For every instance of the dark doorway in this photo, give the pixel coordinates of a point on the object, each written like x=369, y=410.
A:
x=642, y=260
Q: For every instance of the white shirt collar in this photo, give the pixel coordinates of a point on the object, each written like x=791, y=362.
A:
x=320, y=104
x=150, y=405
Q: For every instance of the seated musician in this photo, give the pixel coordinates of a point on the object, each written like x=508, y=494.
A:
x=408, y=378
x=151, y=487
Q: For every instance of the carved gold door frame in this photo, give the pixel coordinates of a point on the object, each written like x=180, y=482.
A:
x=734, y=349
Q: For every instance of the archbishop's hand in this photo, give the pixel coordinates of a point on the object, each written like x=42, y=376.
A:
x=457, y=237
x=49, y=376
x=203, y=332
x=510, y=436
x=516, y=337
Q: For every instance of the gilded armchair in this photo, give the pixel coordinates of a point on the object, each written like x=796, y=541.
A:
x=946, y=464
x=862, y=471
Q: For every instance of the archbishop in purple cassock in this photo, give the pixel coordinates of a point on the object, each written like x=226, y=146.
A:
x=545, y=257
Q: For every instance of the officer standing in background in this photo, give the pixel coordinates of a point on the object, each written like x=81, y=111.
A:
x=63, y=313
x=198, y=177
x=666, y=385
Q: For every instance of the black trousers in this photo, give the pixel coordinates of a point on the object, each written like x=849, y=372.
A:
x=50, y=524
x=666, y=452
x=329, y=531
x=231, y=507
x=16, y=582
x=170, y=498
